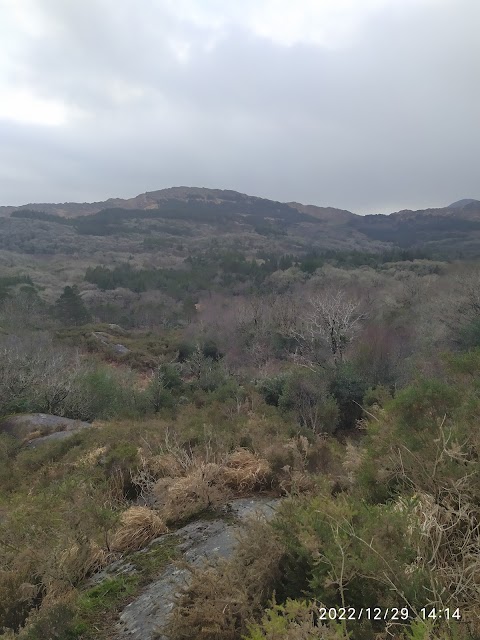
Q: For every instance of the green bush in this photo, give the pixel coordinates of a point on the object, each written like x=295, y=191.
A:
x=305, y=395
x=468, y=336
x=272, y=389
x=56, y=622
x=294, y=620
x=342, y=552
x=422, y=407
x=348, y=388
x=103, y=393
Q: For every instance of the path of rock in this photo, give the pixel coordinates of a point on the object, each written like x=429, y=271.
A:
x=202, y=540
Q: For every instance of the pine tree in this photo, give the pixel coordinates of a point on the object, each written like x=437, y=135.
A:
x=70, y=308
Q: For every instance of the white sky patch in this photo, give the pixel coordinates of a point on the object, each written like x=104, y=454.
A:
x=22, y=17
x=124, y=93
x=22, y=106
x=180, y=48
x=328, y=23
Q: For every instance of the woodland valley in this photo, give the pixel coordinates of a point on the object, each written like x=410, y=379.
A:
x=167, y=358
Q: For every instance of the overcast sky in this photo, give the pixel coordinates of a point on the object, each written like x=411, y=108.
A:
x=367, y=105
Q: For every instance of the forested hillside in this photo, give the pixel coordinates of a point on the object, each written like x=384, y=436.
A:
x=166, y=358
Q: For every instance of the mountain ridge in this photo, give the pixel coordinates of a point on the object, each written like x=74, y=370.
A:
x=155, y=199
x=214, y=213
x=467, y=207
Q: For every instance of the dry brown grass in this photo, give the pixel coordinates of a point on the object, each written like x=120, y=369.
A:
x=295, y=482
x=354, y=456
x=186, y=496
x=138, y=525
x=91, y=457
x=77, y=561
x=167, y=465
x=204, y=484
x=297, y=464
x=244, y=471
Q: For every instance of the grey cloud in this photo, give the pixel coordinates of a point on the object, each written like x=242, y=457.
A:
x=390, y=122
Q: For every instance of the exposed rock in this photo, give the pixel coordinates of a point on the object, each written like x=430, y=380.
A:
x=202, y=540
x=101, y=336
x=105, y=338
x=117, y=329
x=40, y=427
x=120, y=348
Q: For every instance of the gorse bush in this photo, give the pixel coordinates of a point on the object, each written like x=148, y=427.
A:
x=294, y=620
x=304, y=394
x=348, y=389
x=272, y=388
x=345, y=550
x=407, y=533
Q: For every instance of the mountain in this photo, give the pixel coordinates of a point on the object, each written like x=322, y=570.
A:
x=326, y=214
x=163, y=198
x=198, y=215
x=460, y=204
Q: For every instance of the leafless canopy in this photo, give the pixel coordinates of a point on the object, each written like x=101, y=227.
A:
x=331, y=320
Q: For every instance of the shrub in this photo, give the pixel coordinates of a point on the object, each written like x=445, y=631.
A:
x=272, y=389
x=348, y=389
x=423, y=406
x=55, y=622
x=305, y=394
x=294, y=620
x=342, y=551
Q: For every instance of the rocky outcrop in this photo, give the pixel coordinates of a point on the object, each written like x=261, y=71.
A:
x=144, y=618
x=36, y=428
x=105, y=339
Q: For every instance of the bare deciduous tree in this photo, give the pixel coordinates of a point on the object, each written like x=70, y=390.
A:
x=330, y=322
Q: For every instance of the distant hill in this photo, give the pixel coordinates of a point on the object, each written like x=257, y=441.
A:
x=201, y=213
x=163, y=199
x=326, y=214
x=460, y=204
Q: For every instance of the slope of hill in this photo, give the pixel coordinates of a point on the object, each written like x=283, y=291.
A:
x=193, y=218
x=160, y=200
x=460, y=204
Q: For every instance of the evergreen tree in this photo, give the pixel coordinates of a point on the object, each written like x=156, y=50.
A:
x=70, y=308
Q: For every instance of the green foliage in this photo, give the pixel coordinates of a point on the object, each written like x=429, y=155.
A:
x=179, y=283
x=57, y=622
x=7, y=282
x=419, y=630
x=422, y=407
x=102, y=392
x=378, y=395
x=185, y=350
x=306, y=395
x=70, y=308
x=464, y=364
x=350, y=554
x=210, y=350
x=165, y=380
x=294, y=620
x=106, y=594
x=272, y=388
x=348, y=388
